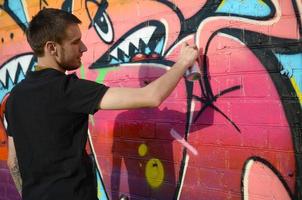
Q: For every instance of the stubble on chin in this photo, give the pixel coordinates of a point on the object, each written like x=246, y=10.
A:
x=72, y=67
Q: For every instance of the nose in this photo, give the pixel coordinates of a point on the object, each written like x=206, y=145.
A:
x=83, y=47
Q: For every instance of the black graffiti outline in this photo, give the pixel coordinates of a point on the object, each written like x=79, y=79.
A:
x=295, y=131
x=293, y=111
x=208, y=102
x=67, y=6
x=7, y=9
x=101, y=61
x=41, y=2
x=100, y=11
x=203, y=13
x=298, y=16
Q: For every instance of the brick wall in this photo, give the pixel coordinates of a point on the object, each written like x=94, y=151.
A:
x=239, y=126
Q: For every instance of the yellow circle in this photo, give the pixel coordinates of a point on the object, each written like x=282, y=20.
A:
x=142, y=150
x=154, y=172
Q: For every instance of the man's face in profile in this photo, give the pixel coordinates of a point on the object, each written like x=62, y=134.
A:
x=71, y=49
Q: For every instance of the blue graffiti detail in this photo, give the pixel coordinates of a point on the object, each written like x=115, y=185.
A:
x=5, y=90
x=126, y=59
x=253, y=8
x=292, y=67
x=160, y=46
x=101, y=191
x=16, y=10
x=147, y=51
x=114, y=61
x=21, y=76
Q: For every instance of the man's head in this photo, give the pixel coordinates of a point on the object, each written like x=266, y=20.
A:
x=55, y=34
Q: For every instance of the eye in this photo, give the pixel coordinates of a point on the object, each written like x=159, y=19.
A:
x=76, y=42
x=103, y=27
x=100, y=20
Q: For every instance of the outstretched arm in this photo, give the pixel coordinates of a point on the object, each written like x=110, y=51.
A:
x=154, y=93
x=13, y=165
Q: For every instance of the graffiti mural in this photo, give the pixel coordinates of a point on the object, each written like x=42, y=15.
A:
x=233, y=134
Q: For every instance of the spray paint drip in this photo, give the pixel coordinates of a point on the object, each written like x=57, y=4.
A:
x=183, y=142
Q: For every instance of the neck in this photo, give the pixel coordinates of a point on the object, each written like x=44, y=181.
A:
x=44, y=63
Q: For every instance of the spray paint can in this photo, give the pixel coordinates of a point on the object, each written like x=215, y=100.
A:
x=194, y=72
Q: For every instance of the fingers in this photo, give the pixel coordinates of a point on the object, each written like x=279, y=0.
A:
x=188, y=54
x=185, y=44
x=189, y=50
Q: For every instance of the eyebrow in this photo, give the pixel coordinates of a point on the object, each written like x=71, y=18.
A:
x=76, y=40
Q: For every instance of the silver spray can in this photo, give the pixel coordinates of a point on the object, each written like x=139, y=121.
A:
x=194, y=73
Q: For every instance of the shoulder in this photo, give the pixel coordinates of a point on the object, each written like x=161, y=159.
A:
x=17, y=88
x=73, y=79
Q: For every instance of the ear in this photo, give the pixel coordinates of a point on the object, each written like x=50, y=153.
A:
x=50, y=48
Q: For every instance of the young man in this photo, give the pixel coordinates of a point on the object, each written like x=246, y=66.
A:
x=47, y=113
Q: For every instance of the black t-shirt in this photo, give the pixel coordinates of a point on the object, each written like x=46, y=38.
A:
x=47, y=115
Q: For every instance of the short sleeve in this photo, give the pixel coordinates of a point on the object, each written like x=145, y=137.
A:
x=82, y=96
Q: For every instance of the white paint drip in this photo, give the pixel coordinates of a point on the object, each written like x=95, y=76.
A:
x=94, y=154
x=183, y=175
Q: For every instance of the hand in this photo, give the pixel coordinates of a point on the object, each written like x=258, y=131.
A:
x=188, y=54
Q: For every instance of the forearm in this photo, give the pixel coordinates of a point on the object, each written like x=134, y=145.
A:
x=162, y=87
x=154, y=93
x=15, y=173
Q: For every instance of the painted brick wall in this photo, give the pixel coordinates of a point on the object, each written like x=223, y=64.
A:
x=237, y=130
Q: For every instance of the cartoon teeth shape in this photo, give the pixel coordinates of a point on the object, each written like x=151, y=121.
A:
x=144, y=42
x=14, y=70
